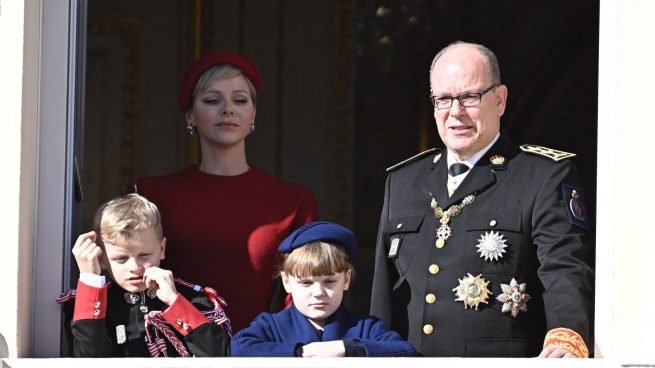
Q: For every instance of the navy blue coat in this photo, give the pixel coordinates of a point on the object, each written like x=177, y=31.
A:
x=281, y=334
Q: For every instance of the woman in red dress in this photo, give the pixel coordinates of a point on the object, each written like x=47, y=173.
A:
x=224, y=219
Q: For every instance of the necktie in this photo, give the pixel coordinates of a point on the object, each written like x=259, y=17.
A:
x=457, y=169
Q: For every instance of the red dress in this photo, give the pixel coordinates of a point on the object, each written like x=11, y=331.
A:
x=224, y=231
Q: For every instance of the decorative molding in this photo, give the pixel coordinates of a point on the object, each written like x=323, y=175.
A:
x=114, y=46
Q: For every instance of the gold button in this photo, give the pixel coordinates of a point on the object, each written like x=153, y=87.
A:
x=430, y=298
x=427, y=329
x=492, y=223
x=399, y=226
x=434, y=269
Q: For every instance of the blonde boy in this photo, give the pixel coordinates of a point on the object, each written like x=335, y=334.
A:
x=141, y=312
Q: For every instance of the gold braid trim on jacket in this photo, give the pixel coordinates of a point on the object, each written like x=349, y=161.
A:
x=568, y=340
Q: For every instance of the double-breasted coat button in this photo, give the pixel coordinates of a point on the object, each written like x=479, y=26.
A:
x=433, y=269
x=430, y=298
x=427, y=329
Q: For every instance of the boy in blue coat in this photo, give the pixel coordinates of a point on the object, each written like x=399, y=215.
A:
x=316, y=271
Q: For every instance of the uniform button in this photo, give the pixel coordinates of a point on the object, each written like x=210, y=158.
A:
x=492, y=223
x=96, y=312
x=427, y=329
x=97, y=304
x=434, y=269
x=430, y=298
x=399, y=226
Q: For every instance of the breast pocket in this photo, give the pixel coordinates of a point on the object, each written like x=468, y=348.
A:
x=403, y=236
x=493, y=241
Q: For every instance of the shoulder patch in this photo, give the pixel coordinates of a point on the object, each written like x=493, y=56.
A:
x=550, y=153
x=575, y=205
x=413, y=158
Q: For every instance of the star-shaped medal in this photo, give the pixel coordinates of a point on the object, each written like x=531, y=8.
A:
x=514, y=298
x=491, y=245
x=472, y=291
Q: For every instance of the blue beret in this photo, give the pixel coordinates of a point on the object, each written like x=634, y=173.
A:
x=320, y=230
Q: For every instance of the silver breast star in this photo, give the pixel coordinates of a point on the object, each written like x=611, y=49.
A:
x=491, y=245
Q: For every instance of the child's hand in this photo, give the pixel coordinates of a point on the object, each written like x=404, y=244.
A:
x=324, y=349
x=162, y=281
x=87, y=253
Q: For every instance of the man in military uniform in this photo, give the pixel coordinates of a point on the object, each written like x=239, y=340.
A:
x=483, y=248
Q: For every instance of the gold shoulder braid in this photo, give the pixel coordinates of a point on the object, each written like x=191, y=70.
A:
x=414, y=158
x=568, y=340
x=550, y=153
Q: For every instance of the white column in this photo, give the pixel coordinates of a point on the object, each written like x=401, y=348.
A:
x=15, y=248
x=625, y=250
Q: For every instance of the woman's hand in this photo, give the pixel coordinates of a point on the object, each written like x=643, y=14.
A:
x=324, y=349
x=87, y=253
x=162, y=281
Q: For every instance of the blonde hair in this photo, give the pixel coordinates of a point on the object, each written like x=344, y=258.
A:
x=220, y=72
x=118, y=219
x=316, y=259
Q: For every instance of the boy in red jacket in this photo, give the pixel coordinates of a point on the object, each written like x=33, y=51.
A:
x=141, y=312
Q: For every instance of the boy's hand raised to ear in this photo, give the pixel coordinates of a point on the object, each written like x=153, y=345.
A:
x=87, y=253
x=162, y=281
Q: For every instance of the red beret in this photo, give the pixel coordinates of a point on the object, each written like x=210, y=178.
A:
x=208, y=61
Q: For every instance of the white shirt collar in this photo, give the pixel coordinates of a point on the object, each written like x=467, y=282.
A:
x=450, y=158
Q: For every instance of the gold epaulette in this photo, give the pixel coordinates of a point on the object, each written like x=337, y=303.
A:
x=412, y=159
x=568, y=340
x=550, y=153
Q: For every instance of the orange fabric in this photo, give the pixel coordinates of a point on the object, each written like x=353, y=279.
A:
x=90, y=302
x=568, y=340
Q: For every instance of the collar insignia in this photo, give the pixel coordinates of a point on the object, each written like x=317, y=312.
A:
x=131, y=298
x=497, y=160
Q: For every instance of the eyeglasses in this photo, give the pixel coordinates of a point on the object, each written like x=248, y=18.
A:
x=465, y=99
